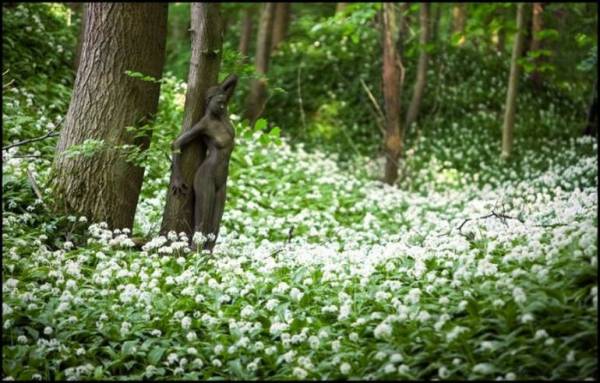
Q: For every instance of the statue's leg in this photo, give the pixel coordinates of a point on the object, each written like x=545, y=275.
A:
x=219, y=206
x=204, y=189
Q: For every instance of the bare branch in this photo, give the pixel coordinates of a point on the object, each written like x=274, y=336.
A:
x=376, y=105
x=51, y=133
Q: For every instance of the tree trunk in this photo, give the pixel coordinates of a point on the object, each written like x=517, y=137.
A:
x=81, y=36
x=280, y=23
x=501, y=39
x=415, y=103
x=511, y=95
x=536, y=43
x=207, y=45
x=591, y=126
x=340, y=7
x=392, y=78
x=459, y=17
x=257, y=97
x=403, y=22
x=246, y=31
x=435, y=26
x=105, y=101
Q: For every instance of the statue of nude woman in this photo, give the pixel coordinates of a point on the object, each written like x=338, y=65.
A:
x=210, y=180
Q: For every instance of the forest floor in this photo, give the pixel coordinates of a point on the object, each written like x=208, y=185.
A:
x=321, y=271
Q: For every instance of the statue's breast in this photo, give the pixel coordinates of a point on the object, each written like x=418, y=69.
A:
x=221, y=134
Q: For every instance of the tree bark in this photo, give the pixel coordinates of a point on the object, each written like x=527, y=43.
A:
x=415, y=103
x=435, y=27
x=257, y=96
x=591, y=126
x=207, y=45
x=246, y=31
x=280, y=23
x=459, y=17
x=403, y=23
x=392, y=78
x=118, y=37
x=536, y=44
x=340, y=7
x=511, y=95
x=81, y=35
x=501, y=32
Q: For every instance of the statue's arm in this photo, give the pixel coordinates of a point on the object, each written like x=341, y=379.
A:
x=181, y=141
x=228, y=85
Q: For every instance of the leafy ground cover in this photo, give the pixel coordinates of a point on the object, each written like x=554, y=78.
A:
x=376, y=282
x=321, y=271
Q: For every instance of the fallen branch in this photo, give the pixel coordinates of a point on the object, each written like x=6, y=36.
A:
x=502, y=217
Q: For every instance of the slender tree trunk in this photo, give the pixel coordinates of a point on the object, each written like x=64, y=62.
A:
x=280, y=23
x=459, y=17
x=591, y=126
x=435, y=26
x=511, y=95
x=246, y=31
x=415, y=103
x=340, y=7
x=257, y=97
x=105, y=101
x=536, y=43
x=501, y=39
x=392, y=78
x=81, y=36
x=207, y=45
x=403, y=23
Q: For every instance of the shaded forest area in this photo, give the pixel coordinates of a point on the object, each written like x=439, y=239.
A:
x=411, y=191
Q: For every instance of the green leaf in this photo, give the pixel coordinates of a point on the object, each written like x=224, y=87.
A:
x=236, y=368
x=155, y=355
x=129, y=347
x=260, y=124
x=98, y=372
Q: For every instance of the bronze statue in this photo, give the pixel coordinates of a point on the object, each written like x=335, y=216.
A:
x=210, y=179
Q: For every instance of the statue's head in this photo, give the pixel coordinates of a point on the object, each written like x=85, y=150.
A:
x=216, y=100
x=218, y=96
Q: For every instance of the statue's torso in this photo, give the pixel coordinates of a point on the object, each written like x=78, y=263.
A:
x=220, y=135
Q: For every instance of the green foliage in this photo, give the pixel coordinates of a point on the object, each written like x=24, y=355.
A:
x=345, y=47
x=38, y=44
x=141, y=76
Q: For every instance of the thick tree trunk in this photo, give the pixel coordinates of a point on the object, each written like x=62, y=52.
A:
x=246, y=31
x=105, y=101
x=511, y=95
x=207, y=45
x=415, y=103
x=391, y=92
x=536, y=43
x=81, y=36
x=280, y=23
x=257, y=97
